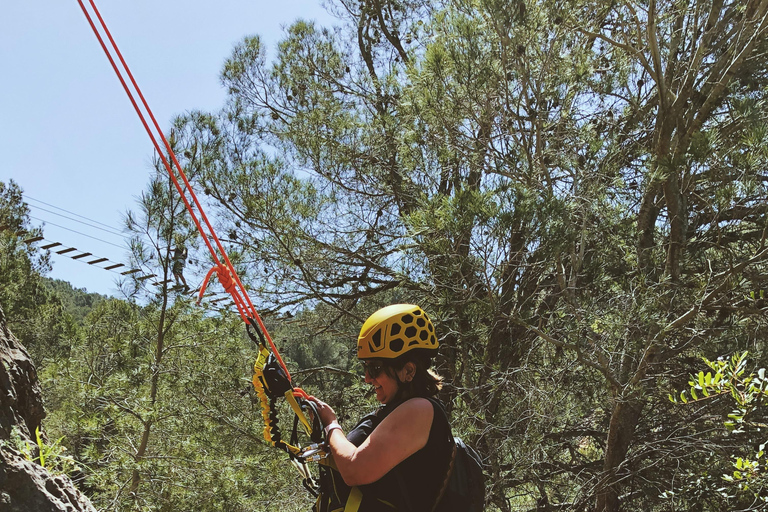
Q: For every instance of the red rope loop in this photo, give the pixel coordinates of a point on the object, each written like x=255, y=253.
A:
x=225, y=278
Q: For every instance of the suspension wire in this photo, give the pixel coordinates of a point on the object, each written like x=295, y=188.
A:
x=40, y=208
x=112, y=231
x=76, y=232
x=67, y=251
x=106, y=227
x=225, y=270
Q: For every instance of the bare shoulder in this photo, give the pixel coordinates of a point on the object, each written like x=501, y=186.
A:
x=401, y=434
x=417, y=409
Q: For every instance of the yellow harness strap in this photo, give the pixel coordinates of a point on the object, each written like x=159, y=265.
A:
x=259, y=382
x=297, y=411
x=354, y=500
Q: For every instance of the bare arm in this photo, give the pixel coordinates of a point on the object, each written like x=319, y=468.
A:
x=401, y=434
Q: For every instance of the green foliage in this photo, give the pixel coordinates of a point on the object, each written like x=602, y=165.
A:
x=34, y=313
x=156, y=399
x=575, y=193
x=49, y=455
x=493, y=162
x=728, y=378
x=77, y=302
x=205, y=444
x=52, y=456
x=19, y=443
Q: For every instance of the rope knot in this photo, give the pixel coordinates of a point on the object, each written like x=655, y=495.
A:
x=225, y=278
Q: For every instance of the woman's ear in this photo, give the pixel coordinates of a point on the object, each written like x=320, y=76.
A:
x=407, y=372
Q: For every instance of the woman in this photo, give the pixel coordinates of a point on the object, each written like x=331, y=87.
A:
x=398, y=456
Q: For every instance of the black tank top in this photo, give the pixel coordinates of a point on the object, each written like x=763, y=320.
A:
x=412, y=485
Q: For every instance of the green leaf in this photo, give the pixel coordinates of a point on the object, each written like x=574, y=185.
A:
x=40, y=446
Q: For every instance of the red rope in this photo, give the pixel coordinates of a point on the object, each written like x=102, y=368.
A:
x=225, y=271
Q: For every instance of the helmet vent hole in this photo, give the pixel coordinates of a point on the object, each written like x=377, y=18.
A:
x=394, y=330
x=376, y=339
x=407, y=319
x=410, y=331
x=421, y=322
x=396, y=345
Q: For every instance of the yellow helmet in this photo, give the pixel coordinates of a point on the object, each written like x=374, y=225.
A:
x=394, y=330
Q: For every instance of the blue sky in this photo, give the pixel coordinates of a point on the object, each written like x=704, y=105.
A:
x=68, y=133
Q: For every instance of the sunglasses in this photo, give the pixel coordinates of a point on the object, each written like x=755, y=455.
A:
x=373, y=368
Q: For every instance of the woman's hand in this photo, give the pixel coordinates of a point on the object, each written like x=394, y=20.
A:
x=325, y=411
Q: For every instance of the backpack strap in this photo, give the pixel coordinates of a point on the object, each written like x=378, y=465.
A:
x=354, y=500
x=451, y=463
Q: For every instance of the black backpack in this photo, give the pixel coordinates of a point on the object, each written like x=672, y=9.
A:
x=464, y=489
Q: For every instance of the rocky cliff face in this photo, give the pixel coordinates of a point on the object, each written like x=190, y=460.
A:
x=25, y=486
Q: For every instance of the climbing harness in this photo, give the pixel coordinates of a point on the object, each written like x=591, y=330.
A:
x=271, y=377
x=271, y=383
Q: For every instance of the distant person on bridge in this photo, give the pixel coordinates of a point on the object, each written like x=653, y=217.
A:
x=179, y=261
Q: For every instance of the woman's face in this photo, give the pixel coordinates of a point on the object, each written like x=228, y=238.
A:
x=384, y=385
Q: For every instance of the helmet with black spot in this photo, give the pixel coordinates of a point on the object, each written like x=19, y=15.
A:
x=395, y=330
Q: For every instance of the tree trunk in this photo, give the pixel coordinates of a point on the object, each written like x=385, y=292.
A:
x=159, y=352
x=624, y=418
